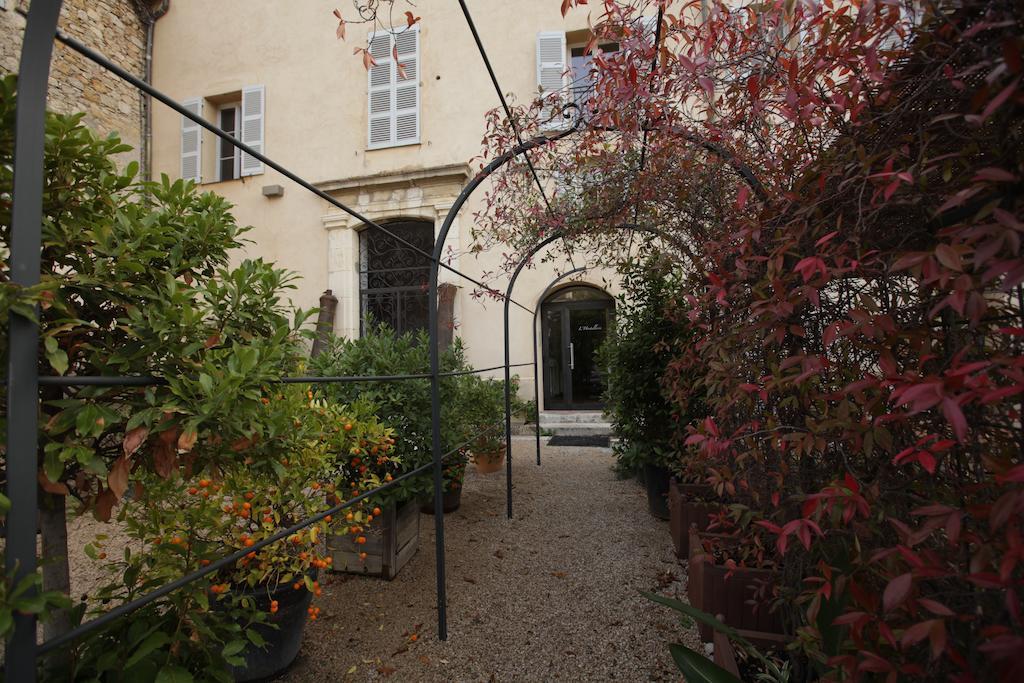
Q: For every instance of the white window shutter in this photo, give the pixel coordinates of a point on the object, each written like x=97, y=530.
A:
x=649, y=27
x=192, y=142
x=393, y=89
x=407, y=86
x=551, y=75
x=254, y=104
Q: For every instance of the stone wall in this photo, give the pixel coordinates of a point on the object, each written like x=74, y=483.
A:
x=112, y=27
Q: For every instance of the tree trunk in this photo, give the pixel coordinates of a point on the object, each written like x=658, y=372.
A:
x=56, y=569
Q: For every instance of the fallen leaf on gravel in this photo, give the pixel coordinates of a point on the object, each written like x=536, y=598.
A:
x=386, y=670
x=399, y=651
x=558, y=575
x=424, y=659
x=351, y=670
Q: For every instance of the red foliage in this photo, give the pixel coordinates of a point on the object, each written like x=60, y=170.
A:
x=843, y=183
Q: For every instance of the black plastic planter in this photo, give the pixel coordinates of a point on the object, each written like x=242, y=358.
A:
x=283, y=642
x=450, y=502
x=657, y=480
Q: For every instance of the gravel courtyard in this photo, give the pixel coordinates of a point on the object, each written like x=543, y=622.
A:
x=550, y=595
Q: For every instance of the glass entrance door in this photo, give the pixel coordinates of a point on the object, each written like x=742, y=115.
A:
x=572, y=330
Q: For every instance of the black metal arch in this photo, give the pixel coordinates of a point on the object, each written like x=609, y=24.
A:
x=508, y=294
x=23, y=380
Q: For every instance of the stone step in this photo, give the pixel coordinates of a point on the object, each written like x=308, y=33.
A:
x=577, y=429
x=571, y=417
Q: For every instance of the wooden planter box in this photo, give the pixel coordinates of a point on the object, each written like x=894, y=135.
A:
x=683, y=513
x=725, y=653
x=716, y=589
x=391, y=540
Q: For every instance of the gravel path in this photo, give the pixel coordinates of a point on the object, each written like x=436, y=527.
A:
x=550, y=595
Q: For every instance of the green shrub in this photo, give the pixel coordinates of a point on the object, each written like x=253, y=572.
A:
x=403, y=405
x=636, y=354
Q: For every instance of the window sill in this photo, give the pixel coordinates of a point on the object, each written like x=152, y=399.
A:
x=393, y=145
x=242, y=179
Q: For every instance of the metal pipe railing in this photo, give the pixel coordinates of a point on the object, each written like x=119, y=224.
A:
x=23, y=380
x=152, y=380
x=102, y=61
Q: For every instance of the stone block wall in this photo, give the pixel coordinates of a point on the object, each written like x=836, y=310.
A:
x=114, y=28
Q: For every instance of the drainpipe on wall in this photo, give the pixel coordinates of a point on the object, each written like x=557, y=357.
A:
x=150, y=13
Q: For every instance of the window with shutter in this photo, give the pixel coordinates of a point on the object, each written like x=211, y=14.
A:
x=649, y=27
x=551, y=77
x=192, y=142
x=394, y=89
x=251, y=127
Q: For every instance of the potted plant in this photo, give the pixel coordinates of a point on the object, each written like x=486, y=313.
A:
x=392, y=535
x=736, y=658
x=246, y=619
x=482, y=402
x=730, y=576
x=688, y=505
x=454, y=475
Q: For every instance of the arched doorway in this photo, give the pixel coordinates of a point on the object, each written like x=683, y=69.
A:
x=574, y=322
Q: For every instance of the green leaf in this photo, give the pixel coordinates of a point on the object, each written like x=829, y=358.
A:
x=173, y=674
x=255, y=638
x=698, y=615
x=697, y=668
x=152, y=642
x=233, y=648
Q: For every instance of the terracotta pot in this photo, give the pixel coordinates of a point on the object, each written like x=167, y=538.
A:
x=717, y=589
x=684, y=512
x=488, y=463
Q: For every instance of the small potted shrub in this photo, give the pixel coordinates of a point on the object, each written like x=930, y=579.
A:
x=454, y=476
x=391, y=536
x=732, y=575
x=482, y=407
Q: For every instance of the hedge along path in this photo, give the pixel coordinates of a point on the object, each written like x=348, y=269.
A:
x=553, y=594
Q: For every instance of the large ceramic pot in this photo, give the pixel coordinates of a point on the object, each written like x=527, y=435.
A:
x=450, y=502
x=282, y=633
x=657, y=479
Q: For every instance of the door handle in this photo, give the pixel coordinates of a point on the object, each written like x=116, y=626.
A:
x=572, y=357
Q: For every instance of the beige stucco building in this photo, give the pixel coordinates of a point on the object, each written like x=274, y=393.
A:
x=396, y=144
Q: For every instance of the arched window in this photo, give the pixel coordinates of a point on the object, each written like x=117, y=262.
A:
x=393, y=277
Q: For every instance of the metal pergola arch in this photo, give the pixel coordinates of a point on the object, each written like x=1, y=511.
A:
x=24, y=381
x=527, y=258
